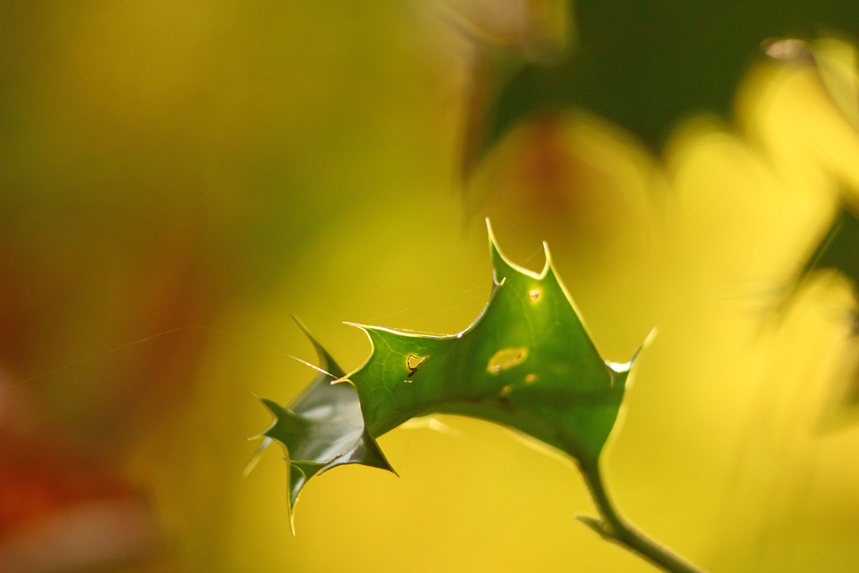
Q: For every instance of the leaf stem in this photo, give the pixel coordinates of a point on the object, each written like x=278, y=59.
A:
x=613, y=527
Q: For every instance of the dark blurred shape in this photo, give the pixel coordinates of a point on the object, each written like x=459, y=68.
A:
x=649, y=66
x=504, y=36
x=839, y=249
x=838, y=252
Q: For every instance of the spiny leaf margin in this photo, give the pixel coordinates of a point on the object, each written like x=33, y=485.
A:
x=526, y=362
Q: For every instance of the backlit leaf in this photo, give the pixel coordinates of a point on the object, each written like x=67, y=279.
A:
x=527, y=362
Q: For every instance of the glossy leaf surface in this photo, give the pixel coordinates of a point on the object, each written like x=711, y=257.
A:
x=526, y=362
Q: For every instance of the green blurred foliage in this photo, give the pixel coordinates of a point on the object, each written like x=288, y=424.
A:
x=648, y=67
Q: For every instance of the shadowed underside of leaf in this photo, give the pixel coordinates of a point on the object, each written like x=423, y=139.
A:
x=526, y=362
x=321, y=429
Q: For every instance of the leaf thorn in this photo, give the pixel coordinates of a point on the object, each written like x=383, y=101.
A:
x=597, y=525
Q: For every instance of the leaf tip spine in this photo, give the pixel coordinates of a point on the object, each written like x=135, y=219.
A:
x=252, y=463
x=547, y=266
x=501, y=265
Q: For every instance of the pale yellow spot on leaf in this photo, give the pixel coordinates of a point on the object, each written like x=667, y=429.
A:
x=506, y=358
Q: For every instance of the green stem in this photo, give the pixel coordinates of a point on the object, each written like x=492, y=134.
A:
x=616, y=529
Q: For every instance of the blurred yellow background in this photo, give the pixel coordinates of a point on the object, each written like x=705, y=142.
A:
x=176, y=178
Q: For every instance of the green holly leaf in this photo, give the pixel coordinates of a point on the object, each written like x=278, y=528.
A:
x=321, y=429
x=526, y=362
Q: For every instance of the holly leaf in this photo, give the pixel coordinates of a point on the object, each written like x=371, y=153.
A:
x=527, y=362
x=321, y=429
